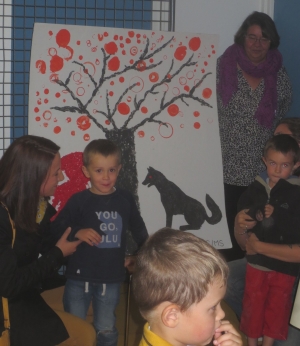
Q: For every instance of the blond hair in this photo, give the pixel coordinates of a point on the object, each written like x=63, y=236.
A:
x=177, y=267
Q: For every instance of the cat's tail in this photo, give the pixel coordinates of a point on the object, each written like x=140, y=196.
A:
x=216, y=214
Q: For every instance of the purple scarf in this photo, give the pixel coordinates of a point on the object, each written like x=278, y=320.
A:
x=228, y=82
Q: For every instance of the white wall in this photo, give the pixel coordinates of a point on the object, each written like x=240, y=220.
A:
x=221, y=17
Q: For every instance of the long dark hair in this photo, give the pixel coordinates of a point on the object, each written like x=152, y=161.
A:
x=23, y=168
x=266, y=24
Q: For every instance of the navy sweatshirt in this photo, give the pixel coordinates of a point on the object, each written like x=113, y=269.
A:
x=110, y=215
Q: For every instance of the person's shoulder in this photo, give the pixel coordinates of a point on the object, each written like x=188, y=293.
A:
x=124, y=193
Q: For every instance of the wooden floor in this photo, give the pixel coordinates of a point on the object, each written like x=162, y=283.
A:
x=135, y=321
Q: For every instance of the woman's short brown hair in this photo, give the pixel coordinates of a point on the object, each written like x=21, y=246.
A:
x=266, y=24
x=177, y=267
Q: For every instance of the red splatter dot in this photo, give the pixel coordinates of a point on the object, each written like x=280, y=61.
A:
x=173, y=110
x=39, y=102
x=121, y=79
x=151, y=60
x=138, y=41
x=113, y=64
x=196, y=114
x=131, y=61
x=56, y=63
x=123, y=52
x=83, y=122
x=194, y=43
x=186, y=88
x=86, y=137
x=63, y=38
x=111, y=93
x=116, y=37
x=144, y=110
x=46, y=101
x=128, y=40
x=141, y=66
x=203, y=70
x=111, y=48
x=57, y=129
x=78, y=43
x=197, y=125
x=105, y=34
x=50, y=33
x=180, y=53
x=36, y=109
x=46, y=91
x=72, y=133
x=213, y=52
x=68, y=120
x=80, y=57
x=153, y=77
x=208, y=55
x=38, y=119
x=205, y=63
x=141, y=134
x=45, y=124
x=37, y=93
x=121, y=45
x=131, y=33
x=57, y=95
x=206, y=93
x=112, y=82
x=107, y=122
x=123, y=108
x=41, y=66
x=121, y=38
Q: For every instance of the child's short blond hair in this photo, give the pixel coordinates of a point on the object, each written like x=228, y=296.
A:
x=103, y=147
x=177, y=267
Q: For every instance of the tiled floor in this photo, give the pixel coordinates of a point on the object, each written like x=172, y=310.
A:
x=135, y=321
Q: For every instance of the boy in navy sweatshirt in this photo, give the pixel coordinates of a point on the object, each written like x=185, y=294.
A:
x=99, y=216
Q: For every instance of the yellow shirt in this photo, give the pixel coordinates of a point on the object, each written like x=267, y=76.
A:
x=151, y=339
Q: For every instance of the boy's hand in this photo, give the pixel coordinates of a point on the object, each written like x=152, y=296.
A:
x=268, y=210
x=89, y=235
x=130, y=263
x=226, y=335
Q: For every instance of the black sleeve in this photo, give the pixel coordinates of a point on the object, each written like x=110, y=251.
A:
x=69, y=216
x=15, y=279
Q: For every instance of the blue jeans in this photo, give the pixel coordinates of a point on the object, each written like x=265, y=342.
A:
x=234, y=298
x=104, y=297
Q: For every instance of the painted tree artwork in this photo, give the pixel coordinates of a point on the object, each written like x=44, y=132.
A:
x=153, y=93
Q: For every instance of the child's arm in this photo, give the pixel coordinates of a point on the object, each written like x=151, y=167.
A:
x=268, y=210
x=226, y=335
x=286, y=253
x=89, y=236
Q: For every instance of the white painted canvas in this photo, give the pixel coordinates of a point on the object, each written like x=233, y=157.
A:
x=151, y=92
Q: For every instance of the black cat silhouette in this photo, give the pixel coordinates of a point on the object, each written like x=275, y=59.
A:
x=175, y=202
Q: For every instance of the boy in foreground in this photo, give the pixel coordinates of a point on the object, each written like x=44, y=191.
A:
x=179, y=282
x=99, y=216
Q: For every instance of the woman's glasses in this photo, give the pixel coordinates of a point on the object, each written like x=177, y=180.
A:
x=262, y=40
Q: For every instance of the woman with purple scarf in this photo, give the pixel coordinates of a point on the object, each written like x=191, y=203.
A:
x=254, y=92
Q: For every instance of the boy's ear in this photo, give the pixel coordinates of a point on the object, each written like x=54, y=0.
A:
x=170, y=315
x=119, y=168
x=85, y=172
x=264, y=160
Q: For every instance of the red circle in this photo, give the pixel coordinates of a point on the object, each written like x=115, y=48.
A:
x=173, y=110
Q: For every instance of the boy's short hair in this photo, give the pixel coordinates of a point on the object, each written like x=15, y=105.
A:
x=284, y=144
x=177, y=267
x=104, y=147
